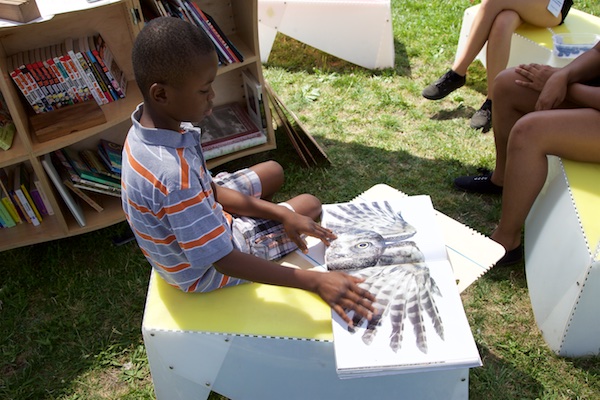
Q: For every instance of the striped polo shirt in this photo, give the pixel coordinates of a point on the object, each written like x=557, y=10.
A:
x=170, y=205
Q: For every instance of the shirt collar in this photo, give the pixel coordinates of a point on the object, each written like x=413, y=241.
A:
x=188, y=137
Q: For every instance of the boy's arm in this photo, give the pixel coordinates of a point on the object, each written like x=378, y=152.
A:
x=340, y=291
x=295, y=224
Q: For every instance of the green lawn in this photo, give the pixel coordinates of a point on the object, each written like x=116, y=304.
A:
x=71, y=309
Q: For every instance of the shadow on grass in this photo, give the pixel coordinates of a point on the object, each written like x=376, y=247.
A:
x=69, y=307
x=500, y=379
x=295, y=56
x=75, y=305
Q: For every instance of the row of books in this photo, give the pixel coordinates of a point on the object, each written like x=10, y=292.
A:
x=87, y=174
x=22, y=198
x=189, y=11
x=76, y=70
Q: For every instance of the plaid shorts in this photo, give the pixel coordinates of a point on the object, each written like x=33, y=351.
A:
x=261, y=237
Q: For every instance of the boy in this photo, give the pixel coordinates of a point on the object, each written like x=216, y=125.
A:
x=198, y=235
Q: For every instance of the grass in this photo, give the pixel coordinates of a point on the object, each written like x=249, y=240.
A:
x=71, y=309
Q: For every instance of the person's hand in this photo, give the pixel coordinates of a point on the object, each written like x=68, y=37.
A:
x=296, y=225
x=342, y=293
x=535, y=75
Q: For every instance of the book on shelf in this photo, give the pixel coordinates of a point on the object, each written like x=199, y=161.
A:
x=396, y=245
x=222, y=43
x=25, y=87
x=5, y=218
x=89, y=200
x=112, y=69
x=80, y=182
x=96, y=69
x=72, y=205
x=78, y=80
x=228, y=129
x=39, y=190
x=93, y=161
x=254, y=99
x=6, y=197
x=227, y=121
x=189, y=11
x=233, y=145
x=111, y=154
x=67, y=73
x=21, y=195
x=84, y=172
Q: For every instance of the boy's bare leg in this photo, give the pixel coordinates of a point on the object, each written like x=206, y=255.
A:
x=306, y=204
x=271, y=177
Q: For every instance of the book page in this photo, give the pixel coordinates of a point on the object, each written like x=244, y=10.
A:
x=397, y=247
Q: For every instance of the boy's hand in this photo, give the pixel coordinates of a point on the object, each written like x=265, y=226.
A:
x=342, y=293
x=296, y=225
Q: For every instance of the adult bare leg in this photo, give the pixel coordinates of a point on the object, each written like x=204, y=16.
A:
x=570, y=133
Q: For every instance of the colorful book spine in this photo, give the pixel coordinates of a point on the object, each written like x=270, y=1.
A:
x=200, y=20
x=40, y=191
x=84, y=71
x=104, y=69
x=97, y=70
x=7, y=220
x=109, y=60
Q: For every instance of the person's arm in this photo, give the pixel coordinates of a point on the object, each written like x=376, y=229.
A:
x=295, y=224
x=340, y=291
x=565, y=84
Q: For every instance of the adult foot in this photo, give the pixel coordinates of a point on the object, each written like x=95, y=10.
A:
x=511, y=257
x=482, y=119
x=478, y=184
x=447, y=84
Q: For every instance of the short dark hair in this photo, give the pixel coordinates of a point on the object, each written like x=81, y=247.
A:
x=163, y=49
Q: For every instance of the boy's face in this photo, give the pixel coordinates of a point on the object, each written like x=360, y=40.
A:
x=192, y=100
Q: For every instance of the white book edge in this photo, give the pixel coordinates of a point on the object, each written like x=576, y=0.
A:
x=66, y=196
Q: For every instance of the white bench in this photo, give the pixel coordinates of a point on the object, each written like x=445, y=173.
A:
x=562, y=258
x=531, y=44
x=359, y=31
x=258, y=341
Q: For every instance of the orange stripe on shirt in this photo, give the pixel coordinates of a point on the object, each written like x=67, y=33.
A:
x=204, y=239
x=185, y=169
x=175, y=268
x=175, y=208
x=193, y=286
x=224, y=281
x=167, y=240
x=139, y=168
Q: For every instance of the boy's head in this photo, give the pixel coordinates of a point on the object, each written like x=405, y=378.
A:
x=163, y=49
x=175, y=63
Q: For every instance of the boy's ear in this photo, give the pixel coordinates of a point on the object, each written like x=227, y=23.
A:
x=158, y=93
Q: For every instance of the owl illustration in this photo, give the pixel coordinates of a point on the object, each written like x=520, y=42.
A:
x=372, y=244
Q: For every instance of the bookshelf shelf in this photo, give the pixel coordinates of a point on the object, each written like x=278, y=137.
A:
x=118, y=22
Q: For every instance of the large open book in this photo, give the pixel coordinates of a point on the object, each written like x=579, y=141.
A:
x=396, y=243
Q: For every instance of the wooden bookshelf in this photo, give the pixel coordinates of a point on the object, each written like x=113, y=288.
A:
x=118, y=21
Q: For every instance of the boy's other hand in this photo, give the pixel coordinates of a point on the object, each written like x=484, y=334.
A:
x=342, y=293
x=297, y=225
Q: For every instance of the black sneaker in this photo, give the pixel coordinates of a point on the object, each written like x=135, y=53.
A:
x=447, y=84
x=482, y=119
x=478, y=184
x=511, y=257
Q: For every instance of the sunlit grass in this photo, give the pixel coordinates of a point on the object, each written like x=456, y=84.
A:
x=70, y=310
